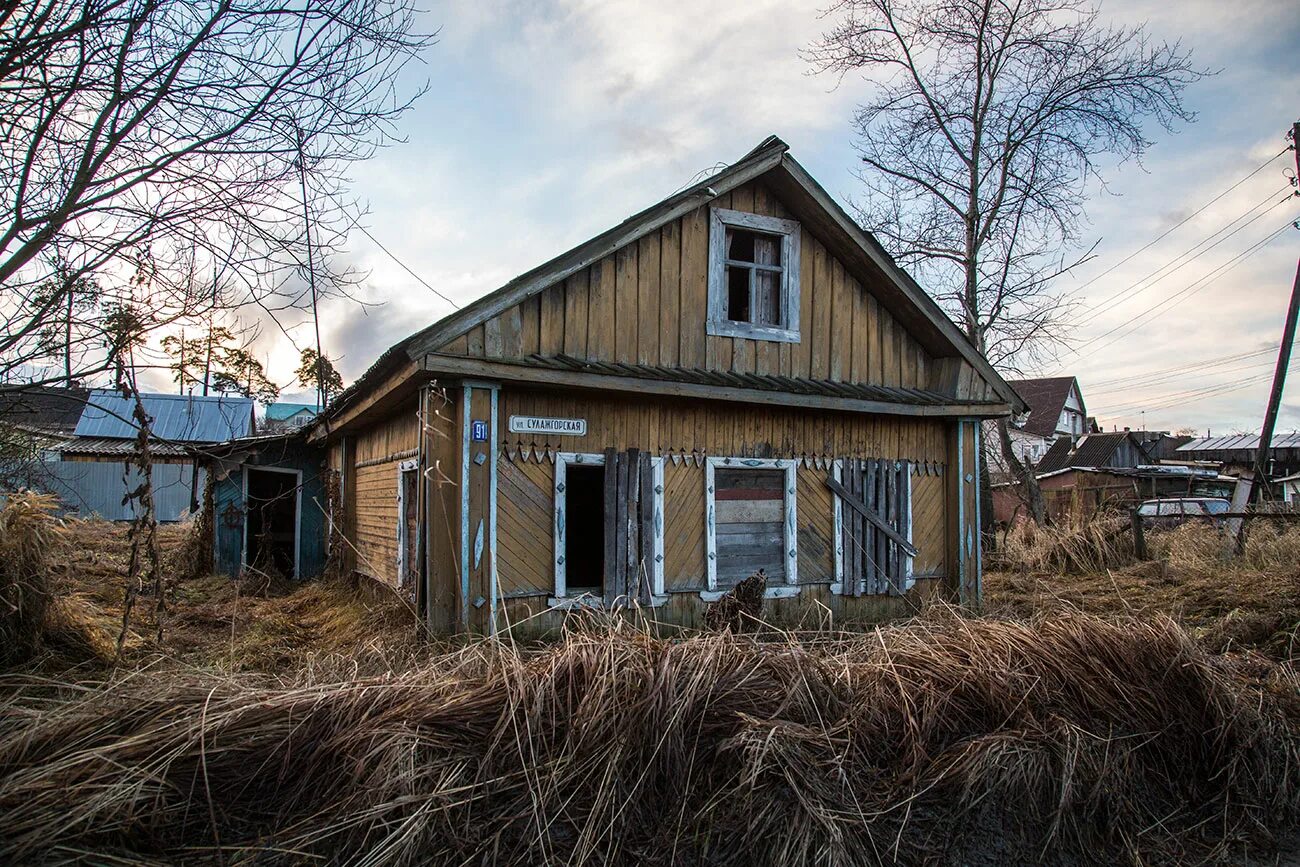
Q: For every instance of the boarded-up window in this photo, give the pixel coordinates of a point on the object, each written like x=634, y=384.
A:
x=875, y=515
x=751, y=520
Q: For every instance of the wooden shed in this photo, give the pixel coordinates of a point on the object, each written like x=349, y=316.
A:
x=737, y=378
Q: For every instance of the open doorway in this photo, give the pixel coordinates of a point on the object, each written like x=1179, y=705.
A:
x=584, y=538
x=271, y=526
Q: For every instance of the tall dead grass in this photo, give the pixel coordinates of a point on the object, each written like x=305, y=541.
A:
x=1079, y=547
x=28, y=530
x=1069, y=740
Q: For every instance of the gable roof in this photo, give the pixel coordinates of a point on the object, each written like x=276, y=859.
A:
x=176, y=417
x=1046, y=397
x=43, y=408
x=1092, y=450
x=282, y=411
x=894, y=288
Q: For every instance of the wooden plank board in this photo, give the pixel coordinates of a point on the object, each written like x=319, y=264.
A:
x=670, y=292
x=576, y=293
x=530, y=322
x=600, y=312
x=625, y=304
x=879, y=523
x=648, y=309
x=694, y=288
x=550, y=321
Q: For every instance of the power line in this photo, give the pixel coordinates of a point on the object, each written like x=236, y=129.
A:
x=1143, y=284
x=1217, y=370
x=1192, y=288
x=405, y=267
x=1185, y=220
x=1209, y=362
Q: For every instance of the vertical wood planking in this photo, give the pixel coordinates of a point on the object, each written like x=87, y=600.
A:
x=551, y=324
x=625, y=304
x=530, y=323
x=671, y=320
x=694, y=288
x=821, y=329
x=841, y=323
x=600, y=314
x=648, y=310
x=576, y=295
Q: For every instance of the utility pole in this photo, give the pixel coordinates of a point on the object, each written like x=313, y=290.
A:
x=1283, y=356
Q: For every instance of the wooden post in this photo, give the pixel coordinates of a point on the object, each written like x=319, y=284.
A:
x=1139, y=534
x=1283, y=359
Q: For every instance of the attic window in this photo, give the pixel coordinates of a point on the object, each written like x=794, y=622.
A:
x=753, y=276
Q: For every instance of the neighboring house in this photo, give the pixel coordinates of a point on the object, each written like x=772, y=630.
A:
x=1090, y=452
x=288, y=416
x=88, y=466
x=725, y=382
x=1056, y=410
x=1080, y=492
x=1095, y=451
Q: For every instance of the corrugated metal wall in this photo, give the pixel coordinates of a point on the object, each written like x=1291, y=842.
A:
x=97, y=487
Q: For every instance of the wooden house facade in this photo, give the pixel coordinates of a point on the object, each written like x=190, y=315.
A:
x=737, y=378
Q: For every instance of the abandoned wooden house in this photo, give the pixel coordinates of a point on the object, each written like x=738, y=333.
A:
x=737, y=378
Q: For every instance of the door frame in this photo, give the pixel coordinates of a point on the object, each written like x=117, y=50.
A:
x=297, y=512
x=408, y=466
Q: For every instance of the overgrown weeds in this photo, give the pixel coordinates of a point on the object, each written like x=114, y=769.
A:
x=1069, y=740
x=1079, y=547
x=28, y=531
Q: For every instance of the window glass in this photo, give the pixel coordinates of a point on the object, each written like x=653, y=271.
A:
x=1149, y=510
x=754, y=276
x=1216, y=507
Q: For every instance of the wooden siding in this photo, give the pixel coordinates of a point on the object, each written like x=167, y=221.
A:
x=379, y=448
x=686, y=432
x=646, y=304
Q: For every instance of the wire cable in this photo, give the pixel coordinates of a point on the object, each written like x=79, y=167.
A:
x=405, y=267
x=1185, y=220
x=1139, y=286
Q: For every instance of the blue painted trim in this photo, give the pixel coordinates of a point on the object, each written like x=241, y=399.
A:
x=464, y=505
x=961, y=512
x=979, y=526
x=493, y=591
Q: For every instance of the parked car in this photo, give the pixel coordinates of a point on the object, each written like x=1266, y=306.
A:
x=1172, y=511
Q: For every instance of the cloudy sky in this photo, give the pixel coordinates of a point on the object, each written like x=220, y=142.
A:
x=546, y=122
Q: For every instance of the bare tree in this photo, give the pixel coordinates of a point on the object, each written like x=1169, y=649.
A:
x=987, y=123
x=173, y=132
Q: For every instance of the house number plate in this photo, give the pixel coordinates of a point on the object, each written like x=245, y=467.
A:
x=569, y=427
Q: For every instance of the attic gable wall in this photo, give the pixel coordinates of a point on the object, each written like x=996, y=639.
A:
x=646, y=304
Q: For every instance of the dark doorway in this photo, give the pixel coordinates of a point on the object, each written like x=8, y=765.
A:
x=271, y=527
x=584, y=530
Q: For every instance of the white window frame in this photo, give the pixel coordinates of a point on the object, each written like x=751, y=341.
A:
x=407, y=466
x=297, y=512
x=909, y=567
x=791, y=533
x=559, y=503
x=716, y=322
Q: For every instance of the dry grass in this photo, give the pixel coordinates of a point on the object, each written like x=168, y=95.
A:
x=1070, y=740
x=212, y=621
x=28, y=532
x=1251, y=601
